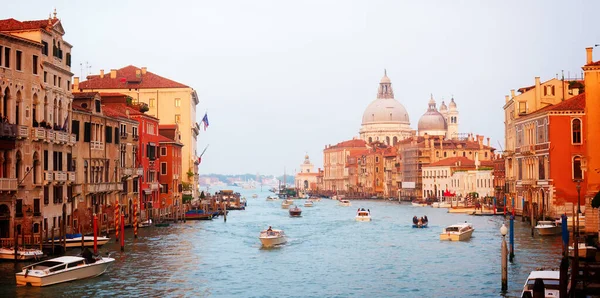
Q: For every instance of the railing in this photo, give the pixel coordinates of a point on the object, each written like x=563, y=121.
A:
x=38, y=133
x=72, y=139
x=154, y=186
x=136, y=137
x=97, y=145
x=48, y=176
x=127, y=171
x=60, y=176
x=8, y=130
x=71, y=176
x=49, y=136
x=62, y=137
x=528, y=182
x=124, y=135
x=104, y=187
x=7, y=184
x=140, y=171
x=23, y=132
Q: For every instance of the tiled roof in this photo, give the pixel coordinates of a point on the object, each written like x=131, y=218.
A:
x=464, y=162
x=14, y=25
x=112, y=94
x=126, y=78
x=111, y=111
x=77, y=95
x=593, y=63
x=77, y=107
x=575, y=103
x=167, y=130
x=350, y=143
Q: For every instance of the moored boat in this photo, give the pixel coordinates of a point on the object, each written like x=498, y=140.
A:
x=145, y=224
x=272, y=237
x=314, y=199
x=198, y=214
x=345, y=203
x=295, y=211
x=548, y=227
x=551, y=281
x=419, y=203
x=286, y=204
x=363, y=215
x=254, y=196
x=272, y=198
x=62, y=269
x=584, y=251
x=74, y=240
x=457, y=232
x=308, y=203
x=23, y=254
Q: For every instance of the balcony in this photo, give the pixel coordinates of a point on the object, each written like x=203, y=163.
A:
x=124, y=135
x=8, y=184
x=72, y=140
x=62, y=137
x=104, y=187
x=154, y=186
x=22, y=132
x=38, y=134
x=97, y=145
x=175, y=176
x=71, y=177
x=49, y=136
x=136, y=137
x=126, y=171
x=140, y=171
x=527, y=182
x=60, y=176
x=48, y=177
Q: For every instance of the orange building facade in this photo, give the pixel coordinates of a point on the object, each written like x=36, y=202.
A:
x=170, y=167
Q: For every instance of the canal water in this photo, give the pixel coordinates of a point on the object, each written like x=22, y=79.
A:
x=328, y=254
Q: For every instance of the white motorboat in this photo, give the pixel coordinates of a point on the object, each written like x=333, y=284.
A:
x=74, y=240
x=435, y=204
x=145, y=224
x=308, y=204
x=62, y=269
x=419, y=203
x=345, y=203
x=272, y=237
x=551, y=281
x=457, y=232
x=274, y=198
x=363, y=215
x=286, y=204
x=548, y=227
x=584, y=251
x=445, y=205
x=254, y=196
x=23, y=254
x=314, y=199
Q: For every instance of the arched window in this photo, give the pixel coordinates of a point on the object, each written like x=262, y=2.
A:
x=577, y=173
x=576, y=131
x=395, y=140
x=387, y=140
x=370, y=140
x=445, y=154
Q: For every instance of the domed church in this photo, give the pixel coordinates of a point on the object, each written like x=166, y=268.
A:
x=386, y=120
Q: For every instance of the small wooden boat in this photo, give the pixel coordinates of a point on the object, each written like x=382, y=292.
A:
x=74, y=240
x=145, y=224
x=308, y=204
x=23, y=254
x=286, y=204
x=345, y=203
x=199, y=214
x=457, y=232
x=295, y=211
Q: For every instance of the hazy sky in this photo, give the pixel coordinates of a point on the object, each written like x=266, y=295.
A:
x=283, y=78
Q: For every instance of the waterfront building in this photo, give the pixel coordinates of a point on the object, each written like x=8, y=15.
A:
x=35, y=136
x=458, y=175
x=167, y=100
x=537, y=122
x=97, y=184
x=385, y=119
x=591, y=137
x=146, y=155
x=531, y=99
x=335, y=175
x=500, y=186
x=306, y=180
x=417, y=152
x=129, y=172
x=170, y=168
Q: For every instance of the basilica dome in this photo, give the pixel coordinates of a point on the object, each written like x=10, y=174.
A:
x=385, y=108
x=432, y=122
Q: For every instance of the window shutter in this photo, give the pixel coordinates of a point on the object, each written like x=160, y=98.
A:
x=45, y=160
x=87, y=131
x=75, y=129
x=117, y=135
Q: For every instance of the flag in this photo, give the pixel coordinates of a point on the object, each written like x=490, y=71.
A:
x=205, y=121
x=64, y=127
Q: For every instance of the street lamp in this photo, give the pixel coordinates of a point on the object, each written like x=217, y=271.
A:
x=503, y=232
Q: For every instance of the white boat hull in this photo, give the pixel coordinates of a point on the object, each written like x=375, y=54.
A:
x=272, y=240
x=38, y=278
x=363, y=218
x=419, y=204
x=435, y=205
x=88, y=241
x=22, y=255
x=547, y=231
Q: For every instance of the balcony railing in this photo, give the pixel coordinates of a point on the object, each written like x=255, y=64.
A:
x=8, y=184
x=97, y=145
x=38, y=134
x=104, y=187
x=23, y=132
x=154, y=186
x=124, y=135
x=60, y=176
x=71, y=176
x=48, y=176
x=72, y=140
x=127, y=171
x=49, y=136
x=8, y=130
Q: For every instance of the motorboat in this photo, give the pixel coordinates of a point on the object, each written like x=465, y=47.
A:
x=62, y=269
x=272, y=237
x=345, y=203
x=457, y=232
x=551, y=281
x=308, y=204
x=254, y=196
x=198, y=214
x=584, y=251
x=274, y=198
x=548, y=227
x=419, y=203
x=420, y=223
x=145, y=224
x=74, y=240
x=286, y=204
x=295, y=211
x=363, y=215
x=23, y=254
x=314, y=199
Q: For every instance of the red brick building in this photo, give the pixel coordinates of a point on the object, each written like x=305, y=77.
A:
x=170, y=166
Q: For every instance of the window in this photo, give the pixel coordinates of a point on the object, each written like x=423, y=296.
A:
x=35, y=65
x=59, y=82
x=108, y=131
x=164, y=188
x=177, y=102
x=163, y=151
x=54, y=80
x=542, y=168
x=18, y=60
x=68, y=85
x=68, y=59
x=522, y=108
x=36, y=207
x=134, y=131
x=97, y=102
x=151, y=102
x=46, y=195
x=177, y=118
x=45, y=48
x=45, y=77
x=576, y=131
x=577, y=173
x=7, y=57
x=163, y=168
x=123, y=130
x=19, y=208
x=150, y=128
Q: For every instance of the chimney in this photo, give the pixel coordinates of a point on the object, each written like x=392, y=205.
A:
x=488, y=142
x=476, y=160
x=480, y=141
x=537, y=82
x=588, y=52
x=506, y=98
x=102, y=73
x=76, y=84
x=144, y=70
x=113, y=73
x=138, y=73
x=512, y=93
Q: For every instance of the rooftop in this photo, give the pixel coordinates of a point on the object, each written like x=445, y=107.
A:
x=129, y=77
